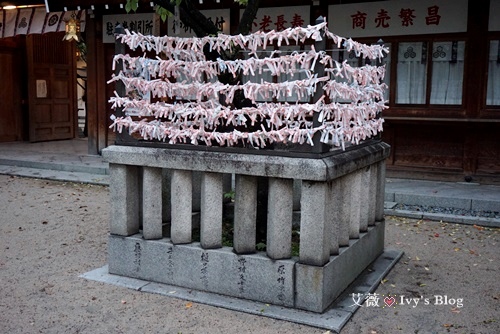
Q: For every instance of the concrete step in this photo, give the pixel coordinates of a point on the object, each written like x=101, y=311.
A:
x=459, y=195
x=55, y=161
x=57, y=166
x=57, y=175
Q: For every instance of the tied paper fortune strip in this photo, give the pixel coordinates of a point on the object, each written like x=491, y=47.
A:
x=213, y=114
x=198, y=121
x=184, y=133
x=286, y=64
x=192, y=48
x=253, y=91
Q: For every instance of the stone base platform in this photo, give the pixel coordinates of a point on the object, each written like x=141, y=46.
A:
x=341, y=222
x=333, y=319
x=254, y=276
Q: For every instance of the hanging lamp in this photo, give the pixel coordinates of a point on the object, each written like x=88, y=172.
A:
x=72, y=29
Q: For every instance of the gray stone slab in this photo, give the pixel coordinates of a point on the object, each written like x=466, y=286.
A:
x=220, y=271
x=46, y=174
x=482, y=221
x=321, y=169
x=120, y=261
x=429, y=200
x=334, y=277
x=469, y=220
x=443, y=217
x=404, y=213
x=390, y=205
x=368, y=280
x=486, y=205
x=333, y=319
x=102, y=275
x=444, y=189
x=55, y=162
x=410, y=186
x=356, y=159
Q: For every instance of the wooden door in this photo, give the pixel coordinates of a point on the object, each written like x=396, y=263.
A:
x=52, y=87
x=11, y=78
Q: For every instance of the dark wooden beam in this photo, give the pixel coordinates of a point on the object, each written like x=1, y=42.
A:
x=92, y=107
x=476, y=68
x=476, y=65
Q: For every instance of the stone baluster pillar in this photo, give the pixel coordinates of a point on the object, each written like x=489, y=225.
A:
x=364, y=199
x=124, y=195
x=373, y=194
x=181, y=200
x=245, y=214
x=152, y=203
x=342, y=200
x=333, y=216
x=379, y=211
x=211, y=210
x=314, y=246
x=279, y=219
x=355, y=216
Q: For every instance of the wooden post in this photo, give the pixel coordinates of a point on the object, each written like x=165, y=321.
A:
x=124, y=136
x=91, y=108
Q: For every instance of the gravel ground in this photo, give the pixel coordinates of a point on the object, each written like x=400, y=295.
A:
x=51, y=232
x=448, y=211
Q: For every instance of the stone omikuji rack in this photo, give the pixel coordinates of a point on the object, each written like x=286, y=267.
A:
x=342, y=103
x=341, y=221
x=339, y=179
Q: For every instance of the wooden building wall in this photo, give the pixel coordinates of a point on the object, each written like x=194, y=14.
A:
x=459, y=142
x=449, y=142
x=13, y=90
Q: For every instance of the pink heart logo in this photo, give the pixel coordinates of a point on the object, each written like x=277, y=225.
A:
x=389, y=301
